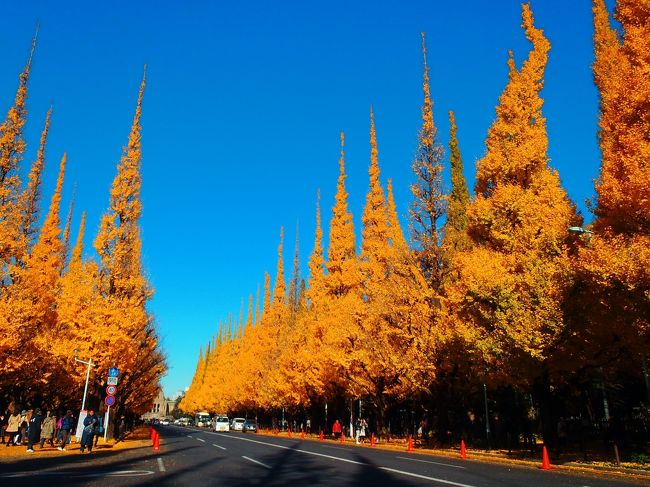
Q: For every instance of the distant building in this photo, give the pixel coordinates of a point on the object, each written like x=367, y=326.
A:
x=161, y=407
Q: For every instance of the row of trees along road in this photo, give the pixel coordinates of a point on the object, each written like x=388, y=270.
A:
x=53, y=301
x=493, y=293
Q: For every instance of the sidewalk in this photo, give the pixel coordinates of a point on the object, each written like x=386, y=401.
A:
x=134, y=439
x=629, y=471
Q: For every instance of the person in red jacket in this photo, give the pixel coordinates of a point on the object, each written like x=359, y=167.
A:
x=336, y=429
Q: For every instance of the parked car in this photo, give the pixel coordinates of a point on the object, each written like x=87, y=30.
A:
x=221, y=423
x=237, y=424
x=249, y=425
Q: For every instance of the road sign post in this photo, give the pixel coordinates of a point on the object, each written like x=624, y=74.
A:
x=111, y=390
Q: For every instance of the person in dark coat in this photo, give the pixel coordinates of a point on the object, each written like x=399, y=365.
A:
x=34, y=430
x=91, y=423
x=67, y=423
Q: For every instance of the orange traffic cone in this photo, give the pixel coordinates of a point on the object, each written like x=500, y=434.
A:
x=156, y=441
x=372, y=439
x=409, y=446
x=302, y=433
x=546, y=463
x=463, y=450
x=322, y=436
x=342, y=439
x=289, y=432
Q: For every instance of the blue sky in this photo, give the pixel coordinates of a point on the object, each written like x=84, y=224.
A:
x=242, y=114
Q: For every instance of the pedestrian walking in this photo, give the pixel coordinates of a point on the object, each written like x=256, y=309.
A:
x=47, y=429
x=22, y=427
x=57, y=431
x=4, y=419
x=121, y=429
x=91, y=423
x=99, y=430
x=336, y=429
x=34, y=430
x=67, y=423
x=13, y=424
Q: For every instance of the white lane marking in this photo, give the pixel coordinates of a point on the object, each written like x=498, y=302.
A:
x=295, y=449
x=161, y=465
x=201, y=439
x=434, y=479
x=190, y=436
x=401, y=472
x=76, y=474
x=223, y=448
x=255, y=461
x=433, y=463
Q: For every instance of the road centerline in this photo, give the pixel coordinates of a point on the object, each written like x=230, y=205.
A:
x=201, y=439
x=218, y=446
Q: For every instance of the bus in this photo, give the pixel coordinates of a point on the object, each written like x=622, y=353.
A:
x=202, y=419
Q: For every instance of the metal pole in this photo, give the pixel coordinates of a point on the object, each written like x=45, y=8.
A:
x=487, y=416
x=83, y=402
x=106, y=420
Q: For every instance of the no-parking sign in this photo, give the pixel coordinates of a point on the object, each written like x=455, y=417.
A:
x=111, y=390
x=110, y=400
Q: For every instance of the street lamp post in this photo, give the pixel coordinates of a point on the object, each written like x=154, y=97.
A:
x=89, y=364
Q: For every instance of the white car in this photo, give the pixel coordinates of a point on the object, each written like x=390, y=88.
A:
x=237, y=424
x=221, y=423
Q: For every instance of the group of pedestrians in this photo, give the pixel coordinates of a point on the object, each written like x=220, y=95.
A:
x=34, y=428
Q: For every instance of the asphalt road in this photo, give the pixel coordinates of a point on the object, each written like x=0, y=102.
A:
x=199, y=457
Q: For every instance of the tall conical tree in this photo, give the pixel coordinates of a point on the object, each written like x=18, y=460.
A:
x=294, y=284
x=29, y=303
x=396, y=234
x=342, y=269
x=124, y=287
x=316, y=289
x=32, y=194
x=12, y=149
x=375, y=232
x=615, y=265
x=459, y=199
x=517, y=272
x=429, y=203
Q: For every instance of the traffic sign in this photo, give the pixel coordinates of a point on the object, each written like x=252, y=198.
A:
x=111, y=381
x=110, y=400
x=113, y=372
x=111, y=390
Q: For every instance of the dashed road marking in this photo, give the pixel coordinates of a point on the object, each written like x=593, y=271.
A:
x=433, y=463
x=161, y=465
x=223, y=448
x=201, y=439
x=77, y=474
x=255, y=461
x=418, y=476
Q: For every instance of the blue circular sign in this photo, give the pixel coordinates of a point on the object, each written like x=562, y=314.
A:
x=110, y=400
x=113, y=372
